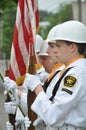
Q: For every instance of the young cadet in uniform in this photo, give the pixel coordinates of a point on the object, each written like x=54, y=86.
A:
x=40, y=69
x=64, y=110
x=45, y=58
x=46, y=61
x=43, y=72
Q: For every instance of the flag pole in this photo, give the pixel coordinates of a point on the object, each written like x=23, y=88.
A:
x=27, y=21
x=34, y=20
x=31, y=95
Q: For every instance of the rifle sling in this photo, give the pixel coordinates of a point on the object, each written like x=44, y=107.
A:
x=46, y=84
x=58, y=84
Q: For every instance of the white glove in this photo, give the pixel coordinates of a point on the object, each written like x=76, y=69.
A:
x=43, y=76
x=13, y=99
x=27, y=122
x=9, y=84
x=9, y=126
x=11, y=96
x=31, y=81
x=39, y=124
x=10, y=107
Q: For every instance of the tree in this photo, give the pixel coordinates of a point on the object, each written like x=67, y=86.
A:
x=9, y=15
x=7, y=4
x=8, y=28
x=64, y=14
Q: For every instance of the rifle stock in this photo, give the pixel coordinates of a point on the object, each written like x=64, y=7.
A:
x=31, y=95
x=11, y=117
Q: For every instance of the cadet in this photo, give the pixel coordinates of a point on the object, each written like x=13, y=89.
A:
x=63, y=109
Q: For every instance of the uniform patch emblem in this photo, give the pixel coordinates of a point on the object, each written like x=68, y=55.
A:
x=69, y=81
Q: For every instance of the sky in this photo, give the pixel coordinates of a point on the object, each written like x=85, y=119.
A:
x=50, y=5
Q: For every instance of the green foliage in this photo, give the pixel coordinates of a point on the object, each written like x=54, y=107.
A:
x=9, y=14
x=8, y=26
x=64, y=14
x=7, y=4
x=44, y=15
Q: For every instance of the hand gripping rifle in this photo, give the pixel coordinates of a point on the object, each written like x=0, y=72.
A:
x=8, y=99
x=11, y=117
x=31, y=95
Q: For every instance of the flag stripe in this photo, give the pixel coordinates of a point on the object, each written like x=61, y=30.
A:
x=18, y=53
x=14, y=66
x=27, y=20
x=25, y=32
x=24, y=49
x=12, y=76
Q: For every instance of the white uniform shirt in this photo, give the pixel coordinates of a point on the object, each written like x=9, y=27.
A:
x=66, y=107
x=23, y=100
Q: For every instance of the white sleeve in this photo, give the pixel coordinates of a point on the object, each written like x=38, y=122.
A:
x=23, y=102
x=42, y=74
x=56, y=112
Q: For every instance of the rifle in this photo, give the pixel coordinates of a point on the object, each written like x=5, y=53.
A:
x=31, y=95
x=8, y=99
x=10, y=116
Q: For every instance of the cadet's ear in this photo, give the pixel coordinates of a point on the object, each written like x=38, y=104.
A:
x=73, y=47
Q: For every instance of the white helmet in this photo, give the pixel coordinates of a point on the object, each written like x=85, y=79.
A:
x=39, y=42
x=51, y=34
x=73, y=31
x=43, y=50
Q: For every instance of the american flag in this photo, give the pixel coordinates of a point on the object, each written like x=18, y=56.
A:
x=27, y=21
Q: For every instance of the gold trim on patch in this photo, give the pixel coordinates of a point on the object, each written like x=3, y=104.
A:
x=69, y=81
x=67, y=90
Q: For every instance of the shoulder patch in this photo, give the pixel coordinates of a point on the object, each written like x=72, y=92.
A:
x=69, y=81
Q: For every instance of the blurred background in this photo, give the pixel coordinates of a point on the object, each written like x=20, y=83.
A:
x=52, y=12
